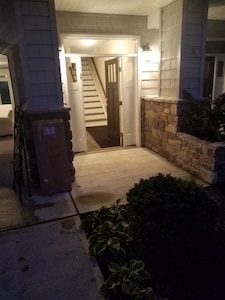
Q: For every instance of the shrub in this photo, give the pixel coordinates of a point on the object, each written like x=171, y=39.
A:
x=174, y=219
x=207, y=119
x=127, y=281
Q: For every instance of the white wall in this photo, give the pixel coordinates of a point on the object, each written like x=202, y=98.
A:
x=100, y=67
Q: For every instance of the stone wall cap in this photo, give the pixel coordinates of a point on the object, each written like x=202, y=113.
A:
x=163, y=99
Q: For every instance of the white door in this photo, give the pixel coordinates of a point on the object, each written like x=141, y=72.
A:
x=130, y=106
x=75, y=102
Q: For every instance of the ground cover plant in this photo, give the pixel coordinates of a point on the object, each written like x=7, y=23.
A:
x=166, y=243
x=110, y=241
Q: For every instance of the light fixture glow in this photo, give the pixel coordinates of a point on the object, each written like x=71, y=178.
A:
x=88, y=42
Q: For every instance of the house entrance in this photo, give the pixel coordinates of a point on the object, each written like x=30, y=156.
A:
x=118, y=80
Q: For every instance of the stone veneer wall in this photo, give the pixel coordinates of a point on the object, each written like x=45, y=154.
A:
x=162, y=121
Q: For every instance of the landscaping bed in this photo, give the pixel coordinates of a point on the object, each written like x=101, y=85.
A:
x=168, y=242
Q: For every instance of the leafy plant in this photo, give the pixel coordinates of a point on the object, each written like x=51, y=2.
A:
x=127, y=281
x=108, y=241
x=115, y=214
x=207, y=119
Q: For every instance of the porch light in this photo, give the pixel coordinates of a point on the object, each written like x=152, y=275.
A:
x=146, y=48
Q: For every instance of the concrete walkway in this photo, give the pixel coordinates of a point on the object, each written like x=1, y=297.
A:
x=44, y=254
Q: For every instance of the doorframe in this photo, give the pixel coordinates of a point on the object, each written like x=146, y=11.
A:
x=137, y=59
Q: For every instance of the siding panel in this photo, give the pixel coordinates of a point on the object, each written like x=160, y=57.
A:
x=169, y=50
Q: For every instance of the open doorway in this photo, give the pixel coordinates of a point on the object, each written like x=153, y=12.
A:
x=122, y=126
x=101, y=97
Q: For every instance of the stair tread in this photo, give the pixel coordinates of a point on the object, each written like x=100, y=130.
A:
x=89, y=88
x=91, y=100
x=94, y=111
x=95, y=117
x=88, y=105
x=96, y=123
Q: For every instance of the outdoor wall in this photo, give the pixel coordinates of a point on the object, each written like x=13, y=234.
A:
x=194, y=32
x=194, y=25
x=170, y=45
x=81, y=23
x=39, y=54
x=150, y=62
x=162, y=120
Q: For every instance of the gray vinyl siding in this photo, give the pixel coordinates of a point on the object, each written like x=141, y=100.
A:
x=193, y=47
x=170, y=39
x=150, y=80
x=40, y=54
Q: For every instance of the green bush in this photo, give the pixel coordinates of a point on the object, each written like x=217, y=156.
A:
x=115, y=214
x=110, y=241
x=174, y=219
x=127, y=281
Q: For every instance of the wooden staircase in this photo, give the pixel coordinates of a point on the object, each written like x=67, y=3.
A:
x=94, y=111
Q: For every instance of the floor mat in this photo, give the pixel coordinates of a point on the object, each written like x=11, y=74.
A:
x=100, y=134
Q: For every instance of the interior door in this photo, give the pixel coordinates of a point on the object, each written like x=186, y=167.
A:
x=208, y=77
x=74, y=80
x=113, y=103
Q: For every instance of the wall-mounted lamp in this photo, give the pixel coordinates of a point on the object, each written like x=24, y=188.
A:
x=146, y=48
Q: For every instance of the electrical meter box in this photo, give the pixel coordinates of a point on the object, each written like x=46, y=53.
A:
x=52, y=156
